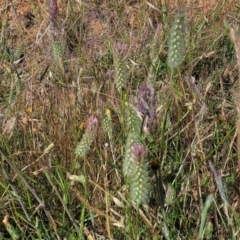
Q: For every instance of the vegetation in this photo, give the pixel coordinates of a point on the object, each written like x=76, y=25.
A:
x=119, y=120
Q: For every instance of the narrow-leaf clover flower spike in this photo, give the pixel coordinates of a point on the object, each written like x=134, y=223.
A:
x=155, y=50
x=90, y=132
x=120, y=50
x=107, y=123
x=146, y=105
x=134, y=123
x=134, y=131
x=176, y=46
x=127, y=164
x=139, y=183
x=55, y=32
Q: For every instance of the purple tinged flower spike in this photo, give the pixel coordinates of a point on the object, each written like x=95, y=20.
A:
x=53, y=13
x=146, y=103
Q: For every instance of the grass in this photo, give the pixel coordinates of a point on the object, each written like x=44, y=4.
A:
x=117, y=125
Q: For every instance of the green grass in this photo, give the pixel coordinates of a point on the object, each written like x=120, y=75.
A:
x=117, y=125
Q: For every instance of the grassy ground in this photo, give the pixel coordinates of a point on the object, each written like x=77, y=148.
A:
x=119, y=120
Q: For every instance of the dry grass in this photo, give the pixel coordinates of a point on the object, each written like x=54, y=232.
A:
x=48, y=97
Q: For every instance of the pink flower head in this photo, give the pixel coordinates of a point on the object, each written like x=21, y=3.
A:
x=92, y=124
x=120, y=48
x=138, y=152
